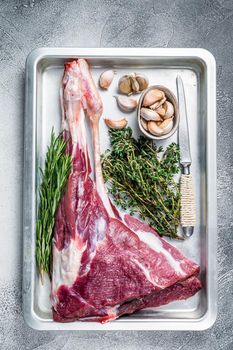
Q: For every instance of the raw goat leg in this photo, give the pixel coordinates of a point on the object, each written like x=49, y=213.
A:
x=103, y=267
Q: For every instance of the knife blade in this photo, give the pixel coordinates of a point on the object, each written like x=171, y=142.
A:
x=183, y=132
x=186, y=181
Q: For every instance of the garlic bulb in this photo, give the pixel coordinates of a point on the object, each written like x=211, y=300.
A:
x=132, y=83
x=106, y=79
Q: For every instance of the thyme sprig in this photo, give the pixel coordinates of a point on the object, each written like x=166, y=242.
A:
x=53, y=181
x=142, y=180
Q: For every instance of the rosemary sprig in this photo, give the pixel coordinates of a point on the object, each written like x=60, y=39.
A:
x=143, y=182
x=53, y=181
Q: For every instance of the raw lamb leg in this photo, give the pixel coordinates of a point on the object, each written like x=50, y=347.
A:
x=104, y=266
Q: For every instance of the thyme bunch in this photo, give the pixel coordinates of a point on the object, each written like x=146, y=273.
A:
x=142, y=181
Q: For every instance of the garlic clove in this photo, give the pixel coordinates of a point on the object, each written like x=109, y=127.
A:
x=169, y=109
x=153, y=96
x=134, y=83
x=126, y=104
x=144, y=124
x=154, y=129
x=124, y=85
x=106, y=79
x=158, y=104
x=116, y=124
x=148, y=114
x=160, y=111
x=166, y=125
x=142, y=80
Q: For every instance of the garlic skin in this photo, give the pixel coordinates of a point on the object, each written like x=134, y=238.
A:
x=106, y=79
x=153, y=96
x=148, y=114
x=126, y=104
x=116, y=124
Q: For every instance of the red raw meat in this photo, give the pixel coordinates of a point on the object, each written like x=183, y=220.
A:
x=105, y=264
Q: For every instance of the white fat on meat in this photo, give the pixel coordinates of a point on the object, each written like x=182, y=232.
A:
x=100, y=226
x=147, y=273
x=78, y=132
x=66, y=265
x=80, y=188
x=156, y=244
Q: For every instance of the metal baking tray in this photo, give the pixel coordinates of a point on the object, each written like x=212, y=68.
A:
x=44, y=70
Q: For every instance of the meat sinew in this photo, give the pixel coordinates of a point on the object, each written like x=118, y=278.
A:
x=105, y=264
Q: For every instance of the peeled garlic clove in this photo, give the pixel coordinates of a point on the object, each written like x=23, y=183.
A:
x=166, y=125
x=142, y=81
x=161, y=111
x=106, y=79
x=154, y=128
x=169, y=109
x=158, y=104
x=144, y=124
x=148, y=114
x=116, y=124
x=153, y=96
x=134, y=84
x=126, y=104
x=124, y=85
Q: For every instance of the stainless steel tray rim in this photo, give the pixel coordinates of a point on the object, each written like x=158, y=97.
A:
x=208, y=62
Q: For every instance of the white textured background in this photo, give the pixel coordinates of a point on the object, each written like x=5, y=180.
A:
x=25, y=25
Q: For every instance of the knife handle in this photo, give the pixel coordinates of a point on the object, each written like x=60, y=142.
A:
x=188, y=215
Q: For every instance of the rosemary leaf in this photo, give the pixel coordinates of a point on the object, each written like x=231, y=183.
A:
x=53, y=182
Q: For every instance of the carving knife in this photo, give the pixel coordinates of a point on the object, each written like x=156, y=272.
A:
x=186, y=181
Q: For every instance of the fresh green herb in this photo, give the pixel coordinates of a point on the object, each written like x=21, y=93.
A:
x=143, y=182
x=53, y=181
